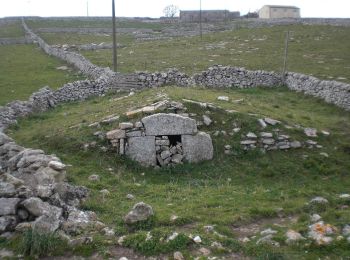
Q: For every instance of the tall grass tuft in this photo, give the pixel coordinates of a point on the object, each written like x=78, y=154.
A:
x=36, y=244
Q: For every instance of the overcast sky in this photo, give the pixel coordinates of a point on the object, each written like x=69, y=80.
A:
x=154, y=8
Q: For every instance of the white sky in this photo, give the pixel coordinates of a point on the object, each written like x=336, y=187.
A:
x=154, y=8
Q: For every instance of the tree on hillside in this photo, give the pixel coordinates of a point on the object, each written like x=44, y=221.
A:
x=170, y=11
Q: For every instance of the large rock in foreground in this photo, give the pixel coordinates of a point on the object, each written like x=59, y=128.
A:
x=142, y=149
x=140, y=212
x=197, y=147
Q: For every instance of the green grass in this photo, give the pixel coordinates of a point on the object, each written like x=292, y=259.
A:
x=229, y=190
x=25, y=69
x=11, y=29
x=74, y=38
x=92, y=23
x=322, y=51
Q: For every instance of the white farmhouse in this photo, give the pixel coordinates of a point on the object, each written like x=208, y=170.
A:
x=279, y=11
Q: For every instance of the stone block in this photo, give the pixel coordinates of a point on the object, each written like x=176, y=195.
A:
x=142, y=149
x=197, y=147
x=134, y=134
x=126, y=125
x=8, y=206
x=116, y=134
x=169, y=124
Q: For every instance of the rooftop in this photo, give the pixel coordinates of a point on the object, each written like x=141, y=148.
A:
x=283, y=6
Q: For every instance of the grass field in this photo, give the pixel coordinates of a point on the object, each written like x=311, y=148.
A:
x=25, y=69
x=92, y=23
x=322, y=51
x=11, y=29
x=229, y=191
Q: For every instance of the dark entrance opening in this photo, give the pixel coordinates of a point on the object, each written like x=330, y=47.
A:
x=174, y=139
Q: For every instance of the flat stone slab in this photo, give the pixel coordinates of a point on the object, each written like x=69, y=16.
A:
x=142, y=149
x=197, y=147
x=169, y=124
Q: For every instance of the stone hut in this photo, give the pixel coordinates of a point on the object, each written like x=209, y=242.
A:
x=279, y=11
x=162, y=139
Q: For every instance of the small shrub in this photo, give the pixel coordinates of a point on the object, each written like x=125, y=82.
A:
x=36, y=244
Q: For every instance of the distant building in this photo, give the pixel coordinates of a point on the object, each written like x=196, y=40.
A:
x=279, y=11
x=208, y=16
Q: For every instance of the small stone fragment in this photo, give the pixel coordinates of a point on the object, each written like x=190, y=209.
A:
x=223, y=98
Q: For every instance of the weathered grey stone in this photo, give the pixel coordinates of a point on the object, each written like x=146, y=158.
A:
x=248, y=142
x=206, y=120
x=140, y=212
x=8, y=206
x=268, y=141
x=271, y=121
x=116, y=134
x=142, y=149
x=169, y=124
x=310, y=132
x=37, y=207
x=57, y=165
x=47, y=223
x=165, y=154
x=295, y=144
x=126, y=125
x=162, y=142
x=7, y=223
x=137, y=133
x=197, y=147
x=177, y=158
x=78, y=221
x=22, y=214
x=7, y=189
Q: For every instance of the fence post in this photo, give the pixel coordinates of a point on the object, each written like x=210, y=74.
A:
x=285, y=58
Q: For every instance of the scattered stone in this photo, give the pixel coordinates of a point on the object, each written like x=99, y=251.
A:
x=236, y=130
x=245, y=240
x=268, y=231
x=204, y=251
x=268, y=141
x=207, y=121
x=248, y=142
x=178, y=256
x=271, y=121
x=344, y=196
x=172, y=236
x=293, y=237
x=324, y=155
x=197, y=239
x=325, y=133
x=268, y=240
x=315, y=218
x=126, y=125
x=346, y=230
x=295, y=144
x=262, y=123
x=130, y=197
x=223, y=98
x=310, y=132
x=266, y=135
x=251, y=135
x=318, y=200
x=140, y=212
x=320, y=233
x=217, y=245
x=94, y=177
x=108, y=232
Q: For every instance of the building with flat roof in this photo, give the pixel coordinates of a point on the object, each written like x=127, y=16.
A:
x=208, y=16
x=279, y=11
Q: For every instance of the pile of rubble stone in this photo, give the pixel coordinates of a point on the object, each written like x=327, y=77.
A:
x=168, y=154
x=34, y=194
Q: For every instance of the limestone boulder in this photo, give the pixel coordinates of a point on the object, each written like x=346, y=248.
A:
x=197, y=147
x=140, y=212
x=78, y=221
x=142, y=149
x=8, y=206
x=169, y=124
x=7, y=223
x=37, y=207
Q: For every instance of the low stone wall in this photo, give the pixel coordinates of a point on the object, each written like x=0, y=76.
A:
x=333, y=92
x=75, y=59
x=11, y=41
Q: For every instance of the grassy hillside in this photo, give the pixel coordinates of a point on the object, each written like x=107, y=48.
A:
x=11, y=29
x=230, y=192
x=322, y=51
x=25, y=69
